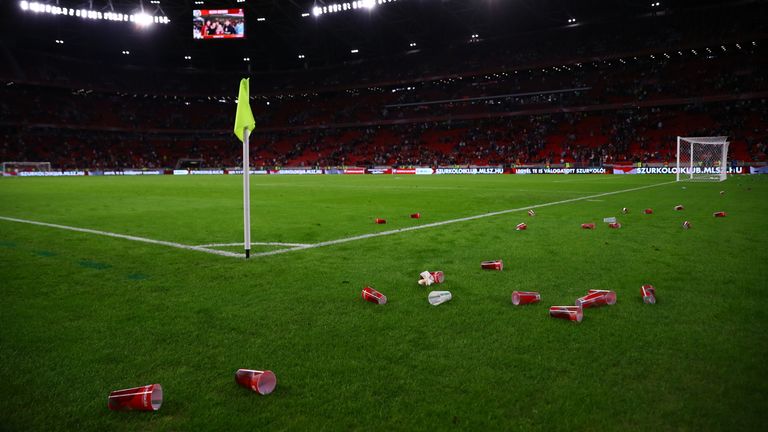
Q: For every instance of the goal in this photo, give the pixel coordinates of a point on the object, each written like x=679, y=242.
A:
x=702, y=158
x=15, y=167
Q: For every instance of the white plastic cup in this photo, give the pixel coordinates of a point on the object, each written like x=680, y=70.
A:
x=437, y=298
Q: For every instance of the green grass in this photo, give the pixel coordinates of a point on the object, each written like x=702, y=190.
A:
x=81, y=315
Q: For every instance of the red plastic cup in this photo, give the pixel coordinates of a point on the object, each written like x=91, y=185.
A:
x=597, y=298
x=416, y=216
x=679, y=207
x=438, y=276
x=587, y=226
x=381, y=221
x=625, y=210
x=719, y=214
x=521, y=227
x=648, y=211
x=614, y=225
x=686, y=225
x=571, y=313
x=525, y=297
x=649, y=294
x=492, y=265
x=531, y=212
x=262, y=382
x=371, y=295
x=145, y=398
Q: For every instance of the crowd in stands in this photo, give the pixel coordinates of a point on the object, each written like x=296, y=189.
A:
x=614, y=100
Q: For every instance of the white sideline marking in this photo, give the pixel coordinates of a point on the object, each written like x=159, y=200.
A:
x=593, y=200
x=253, y=243
x=450, y=221
x=126, y=237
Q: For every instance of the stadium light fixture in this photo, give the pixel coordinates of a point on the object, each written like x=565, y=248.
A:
x=412, y=44
x=571, y=20
x=347, y=6
x=125, y=52
x=655, y=4
x=261, y=19
x=354, y=51
x=186, y=57
x=142, y=19
x=246, y=59
x=59, y=41
x=301, y=56
x=305, y=14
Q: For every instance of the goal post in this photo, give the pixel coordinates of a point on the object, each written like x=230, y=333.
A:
x=15, y=167
x=702, y=158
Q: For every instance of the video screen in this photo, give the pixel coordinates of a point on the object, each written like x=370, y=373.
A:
x=218, y=24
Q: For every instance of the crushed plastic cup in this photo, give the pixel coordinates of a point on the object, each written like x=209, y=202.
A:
x=492, y=265
x=686, y=225
x=624, y=210
x=531, y=212
x=145, y=398
x=415, y=215
x=597, y=298
x=679, y=207
x=649, y=294
x=648, y=211
x=371, y=295
x=521, y=227
x=437, y=298
x=722, y=192
x=571, y=313
x=719, y=214
x=525, y=297
x=609, y=220
x=587, y=226
x=614, y=225
x=262, y=382
x=381, y=221
x=438, y=276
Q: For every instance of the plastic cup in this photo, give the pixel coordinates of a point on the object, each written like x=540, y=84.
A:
x=262, y=382
x=597, y=298
x=531, y=212
x=719, y=214
x=521, y=227
x=415, y=215
x=525, y=297
x=648, y=211
x=624, y=210
x=371, y=295
x=686, y=225
x=614, y=225
x=492, y=265
x=587, y=226
x=438, y=276
x=437, y=298
x=649, y=294
x=679, y=207
x=145, y=398
x=571, y=313
x=381, y=221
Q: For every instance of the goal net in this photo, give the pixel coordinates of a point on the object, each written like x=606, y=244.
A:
x=14, y=168
x=702, y=158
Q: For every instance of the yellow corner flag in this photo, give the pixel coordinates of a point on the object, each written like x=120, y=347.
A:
x=244, y=117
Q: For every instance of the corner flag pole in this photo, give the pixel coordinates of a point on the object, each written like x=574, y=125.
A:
x=246, y=194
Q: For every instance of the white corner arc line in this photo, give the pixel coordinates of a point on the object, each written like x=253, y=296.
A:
x=253, y=243
x=126, y=237
x=451, y=221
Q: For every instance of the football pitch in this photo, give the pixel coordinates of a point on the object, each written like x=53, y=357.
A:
x=137, y=280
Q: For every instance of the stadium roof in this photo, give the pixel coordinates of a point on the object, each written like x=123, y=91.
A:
x=286, y=34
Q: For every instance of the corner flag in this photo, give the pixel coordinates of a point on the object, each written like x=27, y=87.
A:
x=244, y=124
x=244, y=116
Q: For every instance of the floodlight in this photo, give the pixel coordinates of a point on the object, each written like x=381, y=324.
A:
x=24, y=5
x=143, y=19
x=316, y=11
